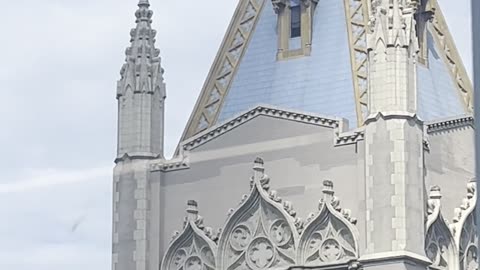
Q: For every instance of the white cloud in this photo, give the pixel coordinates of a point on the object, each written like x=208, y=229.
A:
x=36, y=179
x=57, y=219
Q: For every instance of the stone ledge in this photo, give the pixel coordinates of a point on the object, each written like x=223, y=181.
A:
x=451, y=123
x=351, y=265
x=393, y=115
x=393, y=257
x=136, y=156
x=339, y=125
x=181, y=162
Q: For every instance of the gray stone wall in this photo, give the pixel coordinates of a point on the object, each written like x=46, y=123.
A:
x=298, y=157
x=450, y=164
x=131, y=214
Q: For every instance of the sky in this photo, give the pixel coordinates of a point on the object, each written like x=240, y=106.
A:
x=60, y=63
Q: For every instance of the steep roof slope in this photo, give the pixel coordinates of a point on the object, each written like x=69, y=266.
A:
x=320, y=83
x=332, y=80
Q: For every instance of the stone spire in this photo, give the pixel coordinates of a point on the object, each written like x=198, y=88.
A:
x=141, y=99
x=141, y=92
x=392, y=47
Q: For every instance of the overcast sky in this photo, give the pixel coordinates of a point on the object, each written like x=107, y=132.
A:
x=60, y=60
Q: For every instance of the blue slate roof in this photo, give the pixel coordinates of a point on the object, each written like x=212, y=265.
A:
x=438, y=96
x=322, y=83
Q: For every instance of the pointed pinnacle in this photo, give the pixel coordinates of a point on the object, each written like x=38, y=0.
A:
x=143, y=3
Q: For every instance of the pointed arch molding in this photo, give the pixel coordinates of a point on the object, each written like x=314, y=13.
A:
x=464, y=229
x=451, y=56
x=219, y=79
x=263, y=232
x=440, y=245
x=194, y=247
x=330, y=235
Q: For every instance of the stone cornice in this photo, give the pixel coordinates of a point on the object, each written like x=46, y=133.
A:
x=338, y=125
x=393, y=115
x=181, y=162
x=136, y=156
x=350, y=137
x=351, y=265
x=453, y=123
x=392, y=256
x=278, y=5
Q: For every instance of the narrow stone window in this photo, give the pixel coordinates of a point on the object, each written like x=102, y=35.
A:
x=294, y=30
x=295, y=21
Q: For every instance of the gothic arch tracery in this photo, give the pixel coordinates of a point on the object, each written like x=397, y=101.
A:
x=439, y=243
x=261, y=233
x=329, y=235
x=465, y=232
x=194, y=248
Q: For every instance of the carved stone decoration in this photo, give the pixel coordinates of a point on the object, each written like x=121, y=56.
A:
x=279, y=5
x=465, y=229
x=261, y=233
x=193, y=248
x=439, y=243
x=308, y=3
x=329, y=236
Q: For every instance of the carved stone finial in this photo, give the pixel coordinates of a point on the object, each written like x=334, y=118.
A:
x=144, y=13
x=143, y=3
x=328, y=190
x=259, y=173
x=192, y=210
x=279, y=5
x=435, y=193
x=471, y=188
x=433, y=203
x=259, y=161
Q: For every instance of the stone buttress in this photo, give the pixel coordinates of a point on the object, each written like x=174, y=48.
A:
x=395, y=189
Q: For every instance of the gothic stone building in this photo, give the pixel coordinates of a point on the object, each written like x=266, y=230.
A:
x=329, y=134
